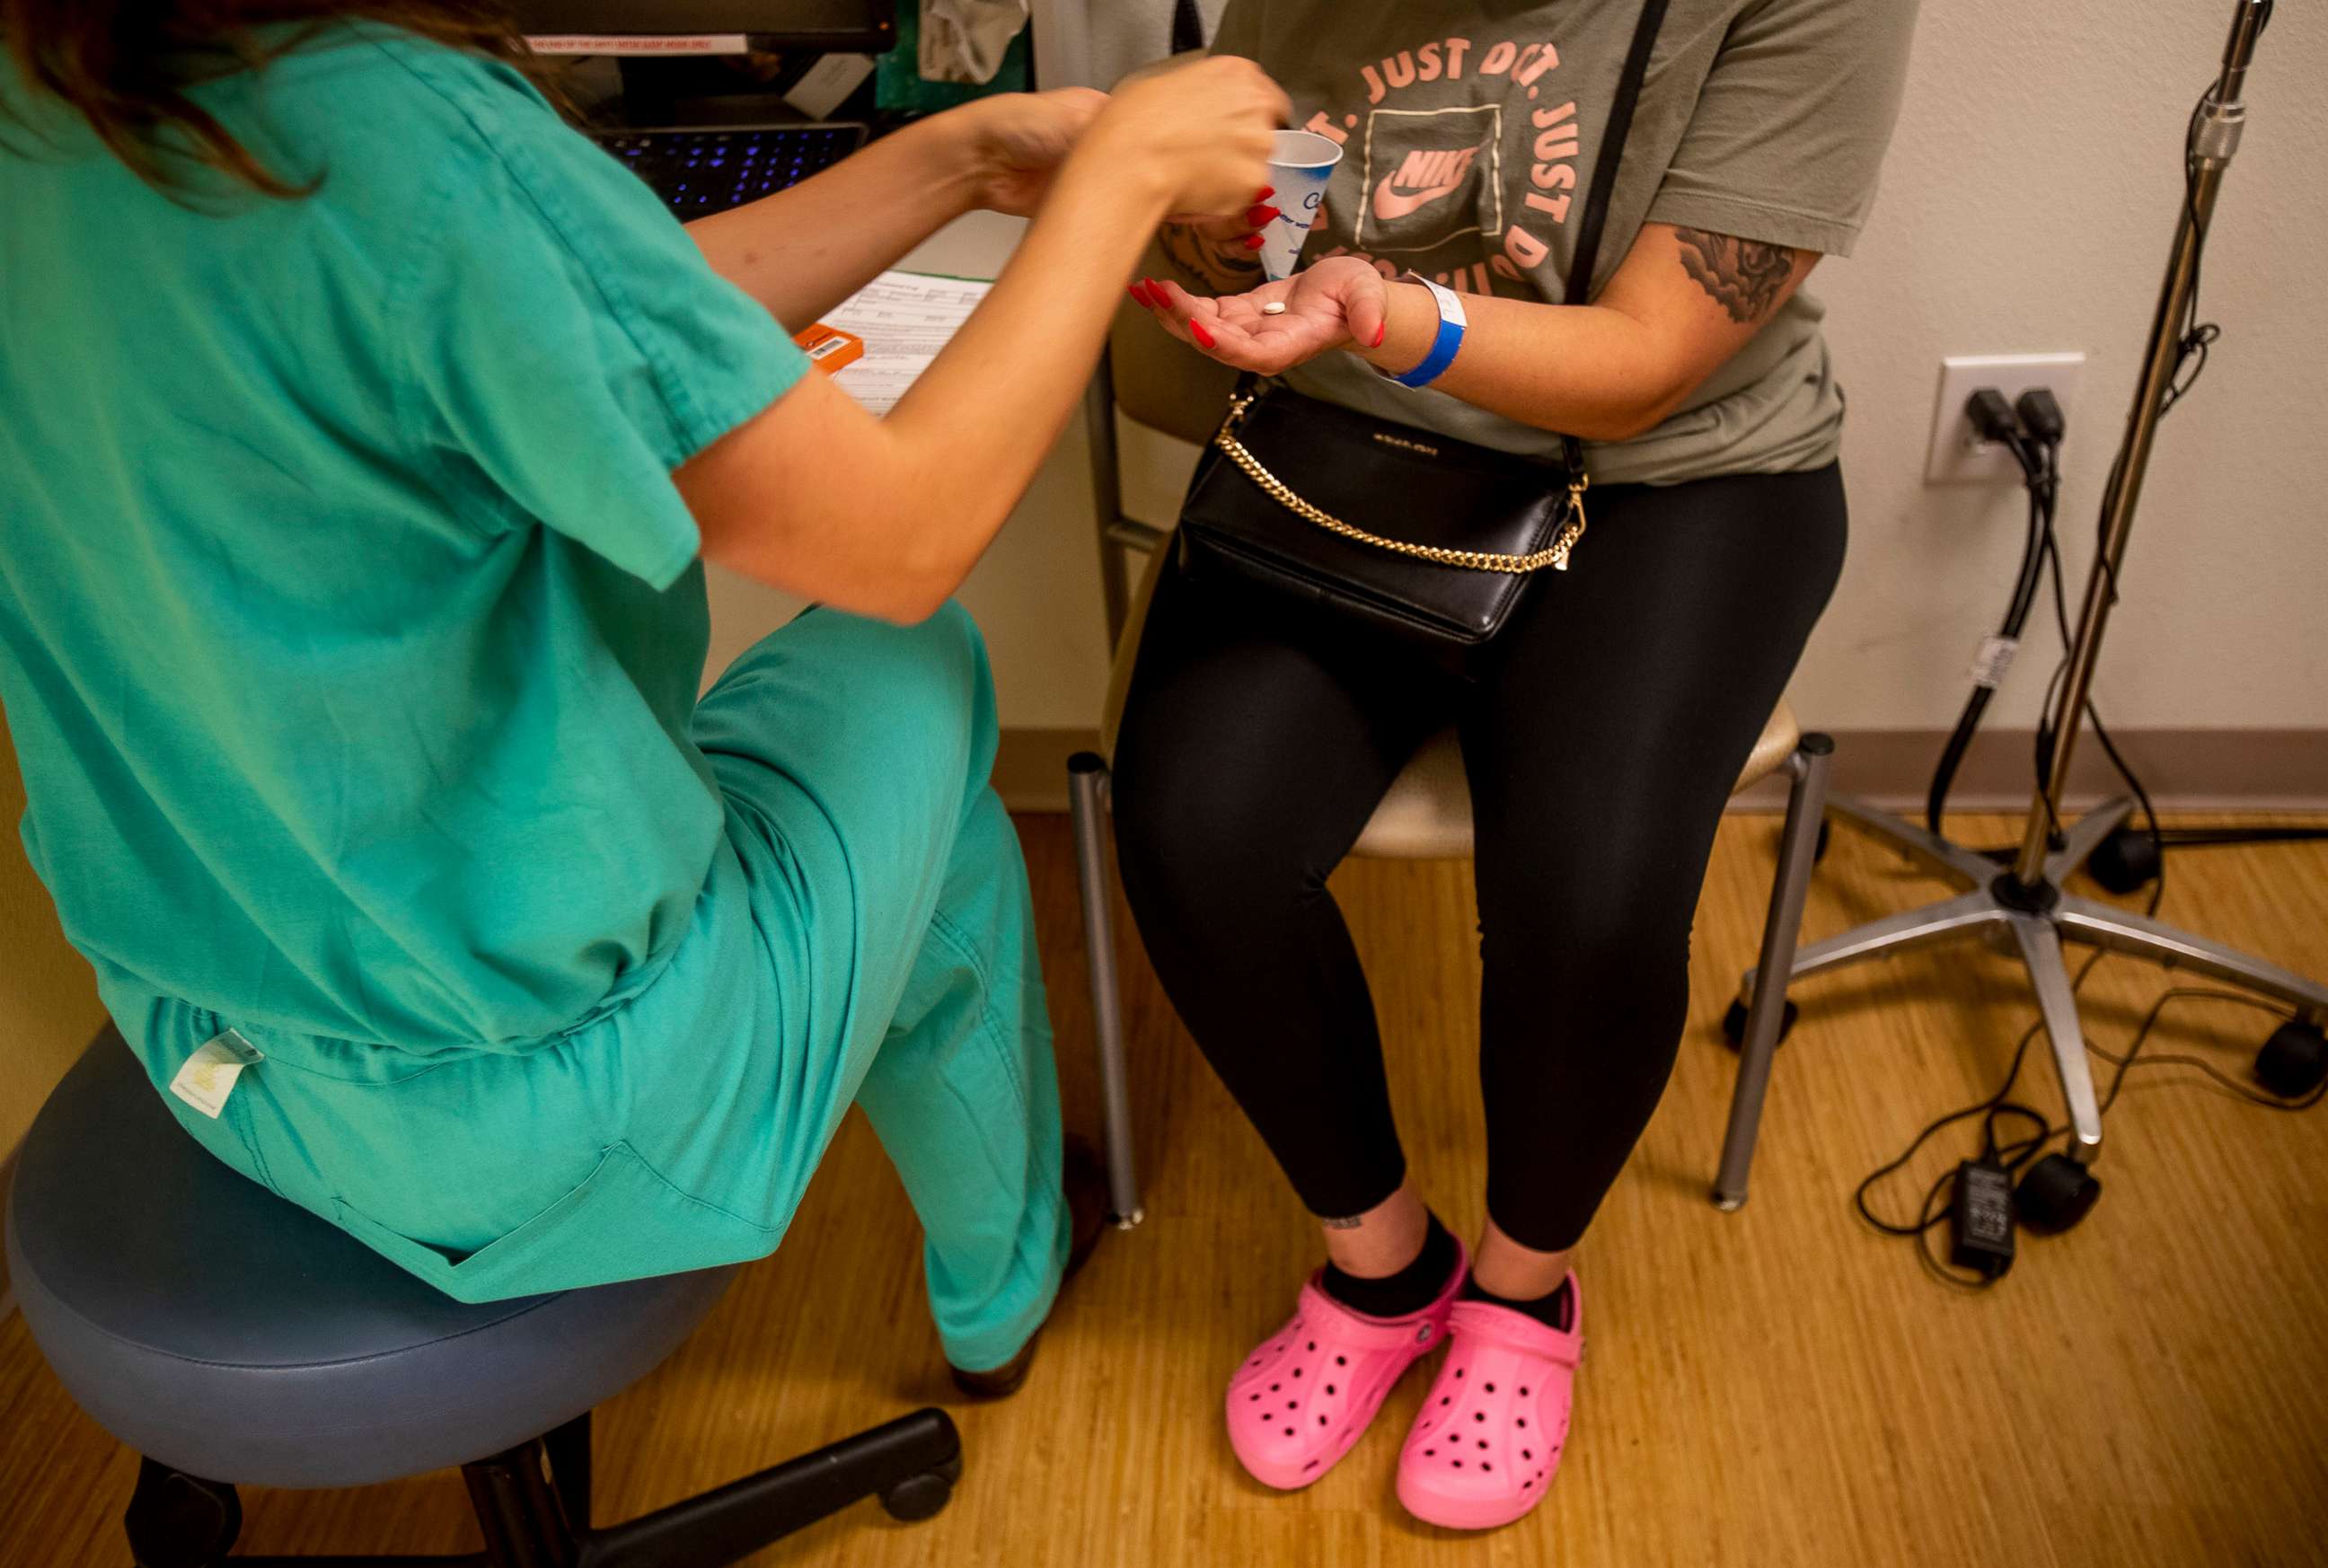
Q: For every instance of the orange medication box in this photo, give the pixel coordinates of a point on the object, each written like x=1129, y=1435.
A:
x=828, y=347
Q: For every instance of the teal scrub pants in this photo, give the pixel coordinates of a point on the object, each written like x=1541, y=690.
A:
x=864, y=936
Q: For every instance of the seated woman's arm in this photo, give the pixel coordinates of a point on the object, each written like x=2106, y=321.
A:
x=1683, y=302
x=886, y=517
x=804, y=249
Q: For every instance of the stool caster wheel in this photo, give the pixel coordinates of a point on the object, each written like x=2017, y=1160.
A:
x=2125, y=862
x=919, y=1497
x=2056, y=1194
x=1733, y=1022
x=2293, y=1062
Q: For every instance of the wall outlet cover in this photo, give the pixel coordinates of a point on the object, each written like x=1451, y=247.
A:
x=1958, y=457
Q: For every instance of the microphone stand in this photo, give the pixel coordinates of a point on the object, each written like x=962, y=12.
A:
x=2024, y=905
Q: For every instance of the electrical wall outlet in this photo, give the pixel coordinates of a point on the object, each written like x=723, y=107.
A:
x=1957, y=457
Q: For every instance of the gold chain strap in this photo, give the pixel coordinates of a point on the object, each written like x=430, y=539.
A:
x=1553, y=555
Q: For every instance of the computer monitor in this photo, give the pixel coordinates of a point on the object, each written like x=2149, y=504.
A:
x=867, y=26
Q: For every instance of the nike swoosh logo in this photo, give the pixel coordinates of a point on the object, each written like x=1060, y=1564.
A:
x=1391, y=205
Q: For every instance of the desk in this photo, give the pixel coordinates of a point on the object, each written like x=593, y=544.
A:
x=1037, y=594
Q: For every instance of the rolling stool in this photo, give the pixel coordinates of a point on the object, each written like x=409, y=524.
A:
x=233, y=1338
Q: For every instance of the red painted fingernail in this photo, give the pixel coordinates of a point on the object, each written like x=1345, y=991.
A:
x=1378, y=334
x=1257, y=216
x=1197, y=330
x=1137, y=298
x=1254, y=242
x=1264, y=193
x=1157, y=297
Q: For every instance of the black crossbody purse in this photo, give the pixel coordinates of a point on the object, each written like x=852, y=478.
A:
x=1274, y=495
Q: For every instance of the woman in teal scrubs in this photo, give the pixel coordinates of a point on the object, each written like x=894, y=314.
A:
x=362, y=432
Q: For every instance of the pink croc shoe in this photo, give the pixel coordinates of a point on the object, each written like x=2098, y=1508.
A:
x=1483, y=1451
x=1308, y=1391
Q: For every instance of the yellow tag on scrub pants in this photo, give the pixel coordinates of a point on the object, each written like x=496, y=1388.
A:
x=208, y=1077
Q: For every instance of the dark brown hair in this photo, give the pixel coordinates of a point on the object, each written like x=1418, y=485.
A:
x=126, y=66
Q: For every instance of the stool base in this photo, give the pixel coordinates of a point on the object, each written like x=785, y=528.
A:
x=533, y=1506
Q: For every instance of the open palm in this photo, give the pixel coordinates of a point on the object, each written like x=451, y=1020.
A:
x=1327, y=306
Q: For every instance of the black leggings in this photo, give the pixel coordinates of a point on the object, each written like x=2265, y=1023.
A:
x=1602, y=745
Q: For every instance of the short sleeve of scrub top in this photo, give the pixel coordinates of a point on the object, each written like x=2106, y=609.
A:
x=570, y=342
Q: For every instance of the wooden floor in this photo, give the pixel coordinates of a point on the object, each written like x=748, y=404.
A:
x=1774, y=1387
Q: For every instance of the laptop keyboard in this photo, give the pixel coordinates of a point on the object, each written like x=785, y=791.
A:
x=701, y=172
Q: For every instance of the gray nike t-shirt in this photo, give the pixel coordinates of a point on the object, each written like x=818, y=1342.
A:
x=1469, y=134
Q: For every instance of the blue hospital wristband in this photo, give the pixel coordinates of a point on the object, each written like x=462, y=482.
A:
x=1445, y=346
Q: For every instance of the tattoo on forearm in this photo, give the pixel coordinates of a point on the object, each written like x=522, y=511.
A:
x=1351, y=1222
x=1204, y=261
x=1742, y=276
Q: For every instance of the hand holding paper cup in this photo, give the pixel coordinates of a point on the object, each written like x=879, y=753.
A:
x=1299, y=164
x=1199, y=135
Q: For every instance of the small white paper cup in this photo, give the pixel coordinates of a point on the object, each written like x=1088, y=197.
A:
x=1299, y=164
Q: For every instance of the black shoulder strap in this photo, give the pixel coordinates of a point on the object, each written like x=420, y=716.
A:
x=1188, y=26
x=1604, y=180
x=1612, y=153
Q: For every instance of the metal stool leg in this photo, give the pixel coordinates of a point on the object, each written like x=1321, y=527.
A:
x=568, y=1451
x=1798, y=851
x=180, y=1521
x=1088, y=779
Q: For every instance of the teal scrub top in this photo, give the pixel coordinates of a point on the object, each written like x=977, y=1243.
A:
x=350, y=622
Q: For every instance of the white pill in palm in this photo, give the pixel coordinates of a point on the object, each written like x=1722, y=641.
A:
x=1274, y=308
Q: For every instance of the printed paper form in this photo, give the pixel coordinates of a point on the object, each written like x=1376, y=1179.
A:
x=905, y=319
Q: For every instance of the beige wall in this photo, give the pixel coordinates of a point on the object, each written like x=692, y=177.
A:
x=2027, y=206
x=48, y=999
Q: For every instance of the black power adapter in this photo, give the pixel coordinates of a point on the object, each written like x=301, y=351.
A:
x=1981, y=1219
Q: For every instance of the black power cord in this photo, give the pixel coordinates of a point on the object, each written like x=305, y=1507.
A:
x=1995, y=419
x=2014, y=1155
x=2031, y=429
x=2206, y=838
x=1930, y=1213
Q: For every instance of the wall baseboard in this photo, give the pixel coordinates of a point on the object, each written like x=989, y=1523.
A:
x=2185, y=770
x=1030, y=767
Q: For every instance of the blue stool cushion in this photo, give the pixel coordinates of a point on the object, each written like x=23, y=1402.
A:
x=220, y=1330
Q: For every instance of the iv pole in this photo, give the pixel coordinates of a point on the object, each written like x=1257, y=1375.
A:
x=2214, y=140
x=2025, y=904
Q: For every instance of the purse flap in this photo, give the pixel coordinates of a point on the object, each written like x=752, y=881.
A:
x=1406, y=484
x=1401, y=481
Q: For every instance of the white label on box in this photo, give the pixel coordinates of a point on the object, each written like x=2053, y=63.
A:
x=826, y=85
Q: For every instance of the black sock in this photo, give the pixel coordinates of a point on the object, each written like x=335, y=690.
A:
x=1411, y=1290
x=1552, y=1310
